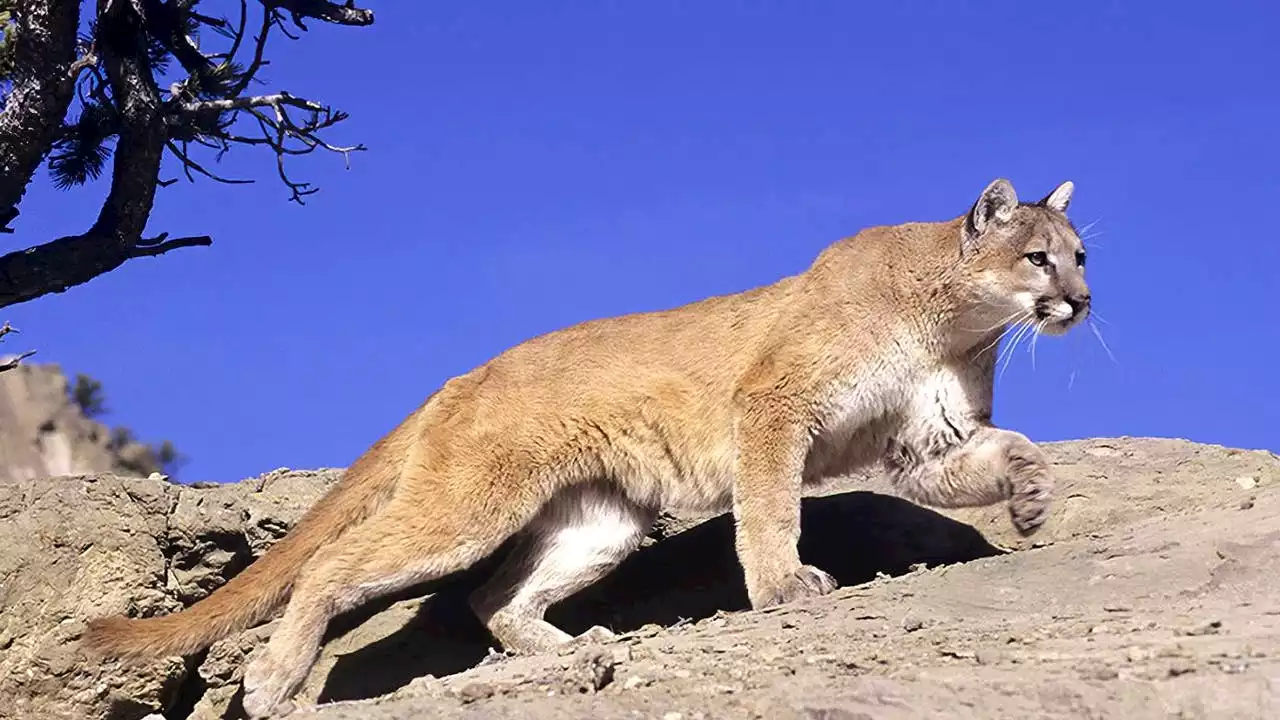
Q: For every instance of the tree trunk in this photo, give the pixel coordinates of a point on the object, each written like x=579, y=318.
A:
x=45, y=49
x=116, y=236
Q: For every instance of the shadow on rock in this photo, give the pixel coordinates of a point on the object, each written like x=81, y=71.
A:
x=688, y=576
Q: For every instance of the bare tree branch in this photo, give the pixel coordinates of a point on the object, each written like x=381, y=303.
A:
x=280, y=132
x=16, y=360
x=159, y=245
x=238, y=36
x=260, y=47
x=188, y=165
x=45, y=49
x=12, y=362
x=252, y=101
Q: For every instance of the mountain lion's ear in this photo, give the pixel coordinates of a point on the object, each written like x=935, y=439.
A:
x=1060, y=198
x=995, y=205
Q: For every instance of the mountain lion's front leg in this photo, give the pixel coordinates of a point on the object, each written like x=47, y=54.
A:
x=773, y=440
x=991, y=466
x=949, y=455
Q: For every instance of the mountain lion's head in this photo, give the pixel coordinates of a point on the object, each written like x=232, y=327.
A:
x=1026, y=260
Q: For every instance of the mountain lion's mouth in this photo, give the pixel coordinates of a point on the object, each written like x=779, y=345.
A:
x=1056, y=311
x=1059, y=326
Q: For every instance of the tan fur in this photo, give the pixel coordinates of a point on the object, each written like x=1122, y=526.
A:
x=254, y=594
x=881, y=351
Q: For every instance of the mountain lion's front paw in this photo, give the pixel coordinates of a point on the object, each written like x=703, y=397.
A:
x=1032, y=498
x=1030, y=484
x=806, y=581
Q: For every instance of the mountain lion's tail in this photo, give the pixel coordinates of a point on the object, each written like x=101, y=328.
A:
x=251, y=596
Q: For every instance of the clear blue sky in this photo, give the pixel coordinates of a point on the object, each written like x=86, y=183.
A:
x=532, y=165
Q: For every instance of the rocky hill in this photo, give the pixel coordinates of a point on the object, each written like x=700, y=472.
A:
x=1153, y=592
x=44, y=433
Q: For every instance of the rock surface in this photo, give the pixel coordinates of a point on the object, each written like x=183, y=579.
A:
x=82, y=546
x=1153, y=591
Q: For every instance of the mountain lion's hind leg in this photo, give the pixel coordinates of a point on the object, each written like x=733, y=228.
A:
x=991, y=466
x=401, y=546
x=579, y=537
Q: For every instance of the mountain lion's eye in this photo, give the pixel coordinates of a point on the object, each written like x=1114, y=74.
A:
x=1039, y=259
x=1080, y=258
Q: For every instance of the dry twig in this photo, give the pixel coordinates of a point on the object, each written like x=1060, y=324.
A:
x=16, y=360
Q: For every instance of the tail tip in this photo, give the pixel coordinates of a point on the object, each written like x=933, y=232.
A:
x=109, y=637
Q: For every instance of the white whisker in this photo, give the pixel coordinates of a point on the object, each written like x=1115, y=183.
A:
x=1088, y=237
x=1034, y=337
x=1013, y=347
x=1003, y=333
x=1016, y=329
x=1098, y=334
x=1004, y=321
x=993, y=343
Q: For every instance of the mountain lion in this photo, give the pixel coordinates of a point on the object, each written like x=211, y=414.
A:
x=880, y=352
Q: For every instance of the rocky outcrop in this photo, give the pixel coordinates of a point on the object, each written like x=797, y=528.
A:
x=81, y=546
x=44, y=434
x=1155, y=574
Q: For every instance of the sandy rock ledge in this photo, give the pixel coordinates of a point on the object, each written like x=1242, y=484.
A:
x=1154, y=591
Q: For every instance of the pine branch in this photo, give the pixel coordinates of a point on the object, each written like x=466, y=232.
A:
x=347, y=14
x=63, y=263
x=116, y=236
x=112, y=71
x=81, y=153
